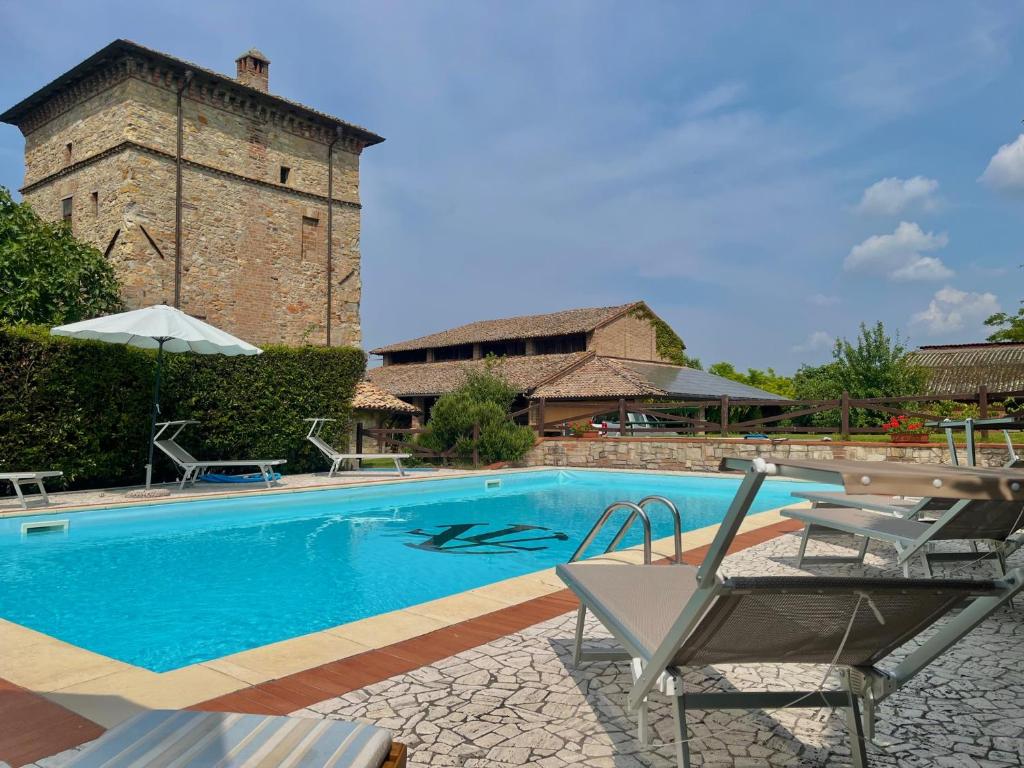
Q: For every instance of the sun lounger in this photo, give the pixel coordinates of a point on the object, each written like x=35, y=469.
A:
x=900, y=506
x=337, y=458
x=192, y=468
x=670, y=617
x=202, y=739
x=31, y=478
x=969, y=520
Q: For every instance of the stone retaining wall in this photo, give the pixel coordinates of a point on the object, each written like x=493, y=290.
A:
x=706, y=453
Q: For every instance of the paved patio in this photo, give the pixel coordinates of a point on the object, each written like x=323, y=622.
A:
x=62, y=501
x=517, y=701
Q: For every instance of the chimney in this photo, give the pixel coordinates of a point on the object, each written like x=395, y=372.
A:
x=253, y=69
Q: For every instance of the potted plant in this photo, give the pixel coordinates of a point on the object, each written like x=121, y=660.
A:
x=902, y=430
x=583, y=429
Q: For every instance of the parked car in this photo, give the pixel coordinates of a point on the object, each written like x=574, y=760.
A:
x=636, y=424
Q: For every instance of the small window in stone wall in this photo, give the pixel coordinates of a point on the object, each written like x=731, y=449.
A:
x=285, y=173
x=310, y=246
x=66, y=209
x=95, y=198
x=67, y=153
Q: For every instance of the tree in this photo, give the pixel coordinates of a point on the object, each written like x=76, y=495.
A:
x=767, y=380
x=484, y=399
x=1009, y=327
x=873, y=365
x=46, y=275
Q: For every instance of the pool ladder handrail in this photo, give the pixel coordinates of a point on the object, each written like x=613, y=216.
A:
x=636, y=510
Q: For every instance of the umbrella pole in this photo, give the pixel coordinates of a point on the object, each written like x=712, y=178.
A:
x=156, y=411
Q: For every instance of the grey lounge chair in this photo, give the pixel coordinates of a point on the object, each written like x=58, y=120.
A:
x=890, y=505
x=202, y=739
x=668, y=617
x=193, y=468
x=32, y=478
x=993, y=522
x=337, y=458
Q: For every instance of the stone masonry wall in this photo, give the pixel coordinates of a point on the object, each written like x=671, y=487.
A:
x=705, y=454
x=253, y=251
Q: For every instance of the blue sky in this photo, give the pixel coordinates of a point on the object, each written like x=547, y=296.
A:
x=765, y=175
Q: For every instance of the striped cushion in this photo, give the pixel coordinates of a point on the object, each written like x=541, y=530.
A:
x=180, y=739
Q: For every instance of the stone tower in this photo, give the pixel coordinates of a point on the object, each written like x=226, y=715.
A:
x=204, y=191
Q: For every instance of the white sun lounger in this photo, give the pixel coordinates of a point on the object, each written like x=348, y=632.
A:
x=31, y=478
x=337, y=458
x=203, y=739
x=193, y=468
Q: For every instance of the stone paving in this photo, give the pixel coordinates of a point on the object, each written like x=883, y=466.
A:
x=61, y=501
x=518, y=701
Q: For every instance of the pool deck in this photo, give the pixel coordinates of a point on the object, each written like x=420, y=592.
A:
x=500, y=690
x=105, y=498
x=291, y=674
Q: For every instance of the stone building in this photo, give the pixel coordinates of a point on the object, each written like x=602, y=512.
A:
x=564, y=365
x=205, y=191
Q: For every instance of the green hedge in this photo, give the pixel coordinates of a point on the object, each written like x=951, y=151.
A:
x=83, y=407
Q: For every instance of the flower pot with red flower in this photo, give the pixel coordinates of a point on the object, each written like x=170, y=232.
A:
x=583, y=429
x=902, y=429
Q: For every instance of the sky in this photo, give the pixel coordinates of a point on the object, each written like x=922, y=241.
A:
x=765, y=175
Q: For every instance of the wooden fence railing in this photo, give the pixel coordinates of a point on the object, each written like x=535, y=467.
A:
x=691, y=417
x=394, y=440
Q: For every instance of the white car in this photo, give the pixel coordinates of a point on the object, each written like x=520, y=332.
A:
x=636, y=423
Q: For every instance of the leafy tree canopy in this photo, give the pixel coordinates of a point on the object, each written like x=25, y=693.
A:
x=1008, y=327
x=46, y=275
x=767, y=380
x=874, y=364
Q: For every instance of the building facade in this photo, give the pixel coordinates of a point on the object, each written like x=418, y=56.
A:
x=563, y=365
x=205, y=191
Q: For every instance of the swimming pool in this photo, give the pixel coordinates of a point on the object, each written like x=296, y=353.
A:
x=168, y=585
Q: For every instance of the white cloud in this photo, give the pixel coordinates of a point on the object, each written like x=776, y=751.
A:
x=952, y=310
x=816, y=342
x=899, y=256
x=823, y=300
x=1005, y=170
x=892, y=195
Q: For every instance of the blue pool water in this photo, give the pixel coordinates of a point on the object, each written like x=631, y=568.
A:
x=174, y=584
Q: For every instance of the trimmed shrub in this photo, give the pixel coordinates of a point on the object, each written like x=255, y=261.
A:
x=485, y=399
x=78, y=406
x=83, y=406
x=253, y=407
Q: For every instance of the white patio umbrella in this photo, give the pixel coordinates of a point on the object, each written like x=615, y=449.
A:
x=161, y=328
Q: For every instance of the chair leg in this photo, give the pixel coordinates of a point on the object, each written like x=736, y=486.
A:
x=858, y=750
x=682, y=734
x=927, y=565
x=19, y=494
x=577, y=651
x=862, y=553
x=803, y=545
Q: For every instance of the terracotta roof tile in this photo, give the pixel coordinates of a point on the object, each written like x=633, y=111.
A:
x=415, y=379
x=598, y=377
x=370, y=397
x=524, y=327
